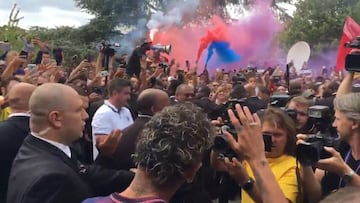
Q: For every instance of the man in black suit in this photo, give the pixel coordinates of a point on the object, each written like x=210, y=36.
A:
x=13, y=131
x=210, y=108
x=149, y=102
x=46, y=169
x=253, y=101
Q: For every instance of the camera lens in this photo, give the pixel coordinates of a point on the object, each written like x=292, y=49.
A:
x=220, y=143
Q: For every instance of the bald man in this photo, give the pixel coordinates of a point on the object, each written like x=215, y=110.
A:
x=46, y=169
x=13, y=131
x=184, y=93
x=149, y=102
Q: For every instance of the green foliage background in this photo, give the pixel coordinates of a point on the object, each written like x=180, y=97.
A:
x=318, y=22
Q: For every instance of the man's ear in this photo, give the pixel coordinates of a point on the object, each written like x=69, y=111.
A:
x=55, y=119
x=355, y=125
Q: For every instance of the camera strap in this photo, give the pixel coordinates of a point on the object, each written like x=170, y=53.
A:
x=347, y=158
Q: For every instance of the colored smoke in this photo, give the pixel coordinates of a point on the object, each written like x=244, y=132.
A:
x=252, y=37
x=129, y=41
x=174, y=17
x=327, y=59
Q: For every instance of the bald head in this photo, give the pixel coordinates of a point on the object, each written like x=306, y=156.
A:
x=50, y=97
x=183, y=88
x=19, y=97
x=151, y=101
x=184, y=93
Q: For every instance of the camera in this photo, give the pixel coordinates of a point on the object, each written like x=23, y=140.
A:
x=352, y=60
x=322, y=119
x=107, y=49
x=231, y=105
x=238, y=79
x=310, y=152
x=161, y=48
x=221, y=143
x=163, y=65
x=279, y=100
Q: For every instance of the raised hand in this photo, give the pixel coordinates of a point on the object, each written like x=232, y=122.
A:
x=249, y=143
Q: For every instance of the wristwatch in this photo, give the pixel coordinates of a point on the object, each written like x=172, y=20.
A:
x=248, y=185
x=348, y=176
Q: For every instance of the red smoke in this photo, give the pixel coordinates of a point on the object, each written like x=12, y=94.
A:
x=253, y=38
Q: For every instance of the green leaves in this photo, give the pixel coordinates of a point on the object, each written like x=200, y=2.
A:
x=318, y=22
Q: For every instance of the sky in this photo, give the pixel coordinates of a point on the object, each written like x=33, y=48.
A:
x=50, y=13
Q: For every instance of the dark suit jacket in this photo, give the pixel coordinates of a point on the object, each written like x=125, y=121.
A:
x=255, y=104
x=43, y=173
x=210, y=108
x=12, y=133
x=122, y=157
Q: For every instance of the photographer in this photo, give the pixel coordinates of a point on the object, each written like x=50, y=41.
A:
x=302, y=122
x=134, y=66
x=342, y=168
x=278, y=165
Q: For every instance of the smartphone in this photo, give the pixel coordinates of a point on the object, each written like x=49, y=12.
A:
x=267, y=142
x=32, y=67
x=104, y=73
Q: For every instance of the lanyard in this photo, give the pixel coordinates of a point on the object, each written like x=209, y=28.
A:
x=346, y=161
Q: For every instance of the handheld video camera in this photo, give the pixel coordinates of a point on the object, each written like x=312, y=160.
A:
x=352, y=60
x=221, y=143
x=313, y=150
x=222, y=146
x=279, y=100
x=310, y=152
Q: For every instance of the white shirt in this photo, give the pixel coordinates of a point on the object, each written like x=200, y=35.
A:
x=62, y=147
x=19, y=114
x=108, y=118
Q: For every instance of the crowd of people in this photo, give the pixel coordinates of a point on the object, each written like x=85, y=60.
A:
x=144, y=131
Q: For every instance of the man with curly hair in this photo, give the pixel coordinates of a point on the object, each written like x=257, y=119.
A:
x=169, y=153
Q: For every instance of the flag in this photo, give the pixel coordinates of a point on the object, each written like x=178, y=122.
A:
x=217, y=38
x=350, y=32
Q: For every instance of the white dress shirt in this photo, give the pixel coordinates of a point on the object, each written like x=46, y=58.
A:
x=62, y=147
x=19, y=114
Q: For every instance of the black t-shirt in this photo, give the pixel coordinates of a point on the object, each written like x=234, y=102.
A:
x=331, y=181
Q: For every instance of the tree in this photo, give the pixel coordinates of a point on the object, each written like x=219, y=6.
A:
x=318, y=22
